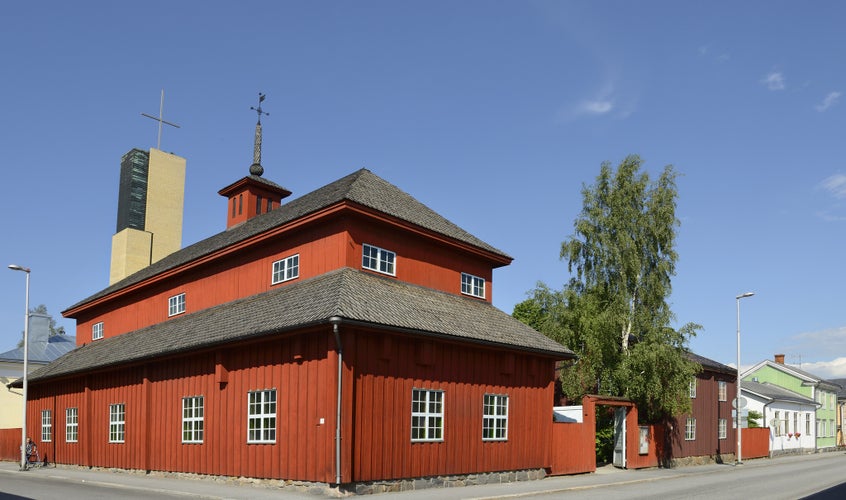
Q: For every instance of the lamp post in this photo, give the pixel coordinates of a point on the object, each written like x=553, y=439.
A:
x=15, y=267
x=739, y=460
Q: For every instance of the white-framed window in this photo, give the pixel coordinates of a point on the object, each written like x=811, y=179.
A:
x=495, y=417
x=71, y=425
x=722, y=426
x=690, y=429
x=472, y=285
x=46, y=426
x=261, y=416
x=807, y=424
x=693, y=388
x=777, y=423
x=192, y=419
x=795, y=422
x=722, y=390
x=378, y=259
x=97, y=331
x=117, y=423
x=176, y=305
x=427, y=415
x=286, y=269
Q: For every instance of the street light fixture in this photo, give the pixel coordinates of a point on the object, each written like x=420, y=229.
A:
x=15, y=267
x=739, y=431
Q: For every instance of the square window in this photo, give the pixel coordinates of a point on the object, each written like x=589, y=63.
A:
x=117, y=423
x=97, y=331
x=286, y=269
x=176, y=305
x=192, y=419
x=46, y=426
x=261, y=416
x=378, y=259
x=690, y=429
x=495, y=417
x=472, y=285
x=71, y=425
x=427, y=415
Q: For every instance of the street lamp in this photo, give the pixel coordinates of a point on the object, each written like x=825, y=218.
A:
x=739, y=460
x=15, y=267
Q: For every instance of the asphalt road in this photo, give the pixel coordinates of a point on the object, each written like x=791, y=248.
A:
x=817, y=477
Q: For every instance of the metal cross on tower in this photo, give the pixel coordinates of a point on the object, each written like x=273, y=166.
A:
x=160, y=120
x=256, y=168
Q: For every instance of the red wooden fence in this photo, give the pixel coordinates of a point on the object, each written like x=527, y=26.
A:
x=10, y=444
x=756, y=443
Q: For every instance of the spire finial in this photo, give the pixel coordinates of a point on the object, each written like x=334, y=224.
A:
x=256, y=168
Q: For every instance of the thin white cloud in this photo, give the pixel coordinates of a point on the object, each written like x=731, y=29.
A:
x=774, y=81
x=597, y=107
x=835, y=368
x=720, y=57
x=836, y=185
x=829, y=101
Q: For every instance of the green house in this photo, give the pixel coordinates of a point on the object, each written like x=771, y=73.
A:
x=799, y=381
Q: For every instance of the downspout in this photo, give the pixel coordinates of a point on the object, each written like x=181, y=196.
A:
x=772, y=433
x=335, y=322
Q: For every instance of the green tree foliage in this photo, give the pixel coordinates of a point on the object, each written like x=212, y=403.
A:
x=753, y=419
x=613, y=312
x=54, y=330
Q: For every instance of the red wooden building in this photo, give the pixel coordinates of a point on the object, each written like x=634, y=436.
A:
x=708, y=430
x=343, y=337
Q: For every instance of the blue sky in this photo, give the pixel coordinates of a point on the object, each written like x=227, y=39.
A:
x=493, y=113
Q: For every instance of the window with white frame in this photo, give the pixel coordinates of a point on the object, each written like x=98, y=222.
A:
x=117, y=423
x=192, y=419
x=795, y=422
x=286, y=269
x=690, y=429
x=261, y=416
x=378, y=259
x=71, y=425
x=807, y=424
x=693, y=388
x=777, y=423
x=46, y=426
x=427, y=415
x=176, y=305
x=722, y=426
x=495, y=417
x=97, y=331
x=722, y=390
x=472, y=285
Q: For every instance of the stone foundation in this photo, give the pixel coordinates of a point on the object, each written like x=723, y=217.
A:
x=368, y=488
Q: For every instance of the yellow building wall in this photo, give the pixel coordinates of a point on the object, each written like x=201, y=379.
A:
x=130, y=253
x=165, y=200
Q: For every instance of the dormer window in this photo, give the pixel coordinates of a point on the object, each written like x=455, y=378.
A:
x=286, y=269
x=97, y=331
x=378, y=259
x=176, y=305
x=472, y=285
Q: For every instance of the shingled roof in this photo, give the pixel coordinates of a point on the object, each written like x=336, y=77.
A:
x=775, y=393
x=710, y=364
x=349, y=294
x=362, y=187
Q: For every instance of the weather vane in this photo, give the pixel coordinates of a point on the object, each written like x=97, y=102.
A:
x=160, y=120
x=256, y=168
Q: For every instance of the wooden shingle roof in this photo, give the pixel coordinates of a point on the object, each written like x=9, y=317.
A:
x=362, y=187
x=349, y=294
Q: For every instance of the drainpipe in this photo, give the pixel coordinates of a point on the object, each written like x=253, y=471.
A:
x=335, y=322
x=772, y=433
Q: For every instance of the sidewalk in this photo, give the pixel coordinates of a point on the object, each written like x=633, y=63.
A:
x=233, y=488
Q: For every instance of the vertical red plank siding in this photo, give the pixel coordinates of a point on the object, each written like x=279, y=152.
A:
x=707, y=410
x=382, y=434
